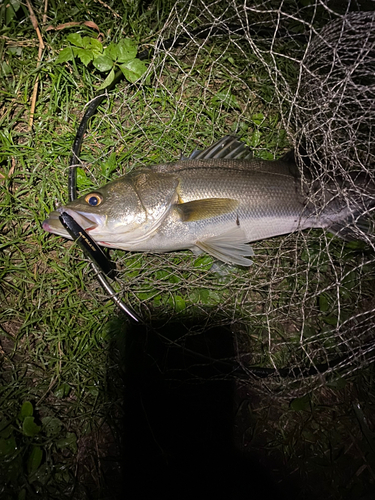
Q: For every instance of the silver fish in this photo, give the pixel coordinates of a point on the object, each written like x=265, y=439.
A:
x=218, y=201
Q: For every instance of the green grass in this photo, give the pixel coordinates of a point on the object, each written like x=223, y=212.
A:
x=62, y=344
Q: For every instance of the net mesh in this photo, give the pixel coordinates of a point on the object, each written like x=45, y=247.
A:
x=279, y=75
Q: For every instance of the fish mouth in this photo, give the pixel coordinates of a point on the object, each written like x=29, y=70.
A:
x=53, y=225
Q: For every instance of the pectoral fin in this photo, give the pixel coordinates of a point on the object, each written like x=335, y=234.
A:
x=205, y=209
x=230, y=247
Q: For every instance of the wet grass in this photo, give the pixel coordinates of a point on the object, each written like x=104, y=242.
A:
x=62, y=343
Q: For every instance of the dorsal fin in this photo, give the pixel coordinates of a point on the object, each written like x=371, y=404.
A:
x=226, y=148
x=229, y=153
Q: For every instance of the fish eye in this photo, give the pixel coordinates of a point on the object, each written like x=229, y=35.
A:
x=94, y=199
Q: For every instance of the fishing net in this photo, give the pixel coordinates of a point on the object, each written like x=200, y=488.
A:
x=279, y=75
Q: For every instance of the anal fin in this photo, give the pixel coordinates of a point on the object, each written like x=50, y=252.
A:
x=230, y=247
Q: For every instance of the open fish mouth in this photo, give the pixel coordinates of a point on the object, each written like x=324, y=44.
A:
x=53, y=225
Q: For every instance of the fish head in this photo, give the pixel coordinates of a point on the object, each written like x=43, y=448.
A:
x=107, y=214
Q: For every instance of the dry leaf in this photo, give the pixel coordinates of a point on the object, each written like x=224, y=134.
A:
x=63, y=26
x=91, y=24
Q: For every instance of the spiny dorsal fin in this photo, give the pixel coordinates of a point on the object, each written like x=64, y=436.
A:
x=226, y=148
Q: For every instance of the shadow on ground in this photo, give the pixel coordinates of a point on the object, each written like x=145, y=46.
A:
x=179, y=417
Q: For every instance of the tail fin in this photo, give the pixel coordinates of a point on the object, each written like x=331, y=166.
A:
x=359, y=193
x=355, y=227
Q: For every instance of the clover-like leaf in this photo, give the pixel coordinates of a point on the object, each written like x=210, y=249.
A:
x=64, y=389
x=51, y=426
x=85, y=55
x=111, y=51
x=103, y=63
x=29, y=427
x=126, y=50
x=75, y=39
x=26, y=410
x=107, y=82
x=133, y=70
x=65, y=55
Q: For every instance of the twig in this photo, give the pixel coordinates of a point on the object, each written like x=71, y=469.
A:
x=41, y=47
x=45, y=12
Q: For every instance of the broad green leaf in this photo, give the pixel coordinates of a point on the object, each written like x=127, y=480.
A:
x=86, y=42
x=96, y=45
x=337, y=383
x=323, y=302
x=301, y=404
x=42, y=475
x=13, y=468
x=34, y=459
x=205, y=296
x=126, y=50
x=17, y=51
x=29, y=427
x=255, y=138
x=258, y=118
x=330, y=320
x=75, y=39
x=204, y=262
x=26, y=410
x=11, y=9
x=7, y=446
x=108, y=80
x=64, y=389
x=109, y=166
x=158, y=300
x=265, y=155
x=355, y=245
x=65, y=55
x=225, y=99
x=85, y=55
x=93, y=46
x=133, y=70
x=70, y=441
x=350, y=280
x=95, y=52
x=103, y=63
x=145, y=295
x=82, y=181
x=93, y=390
x=111, y=51
x=6, y=70
x=5, y=428
x=180, y=303
x=22, y=494
x=51, y=426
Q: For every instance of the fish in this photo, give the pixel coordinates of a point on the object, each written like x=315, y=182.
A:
x=217, y=201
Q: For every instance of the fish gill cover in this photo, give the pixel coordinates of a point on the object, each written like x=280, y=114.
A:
x=279, y=76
